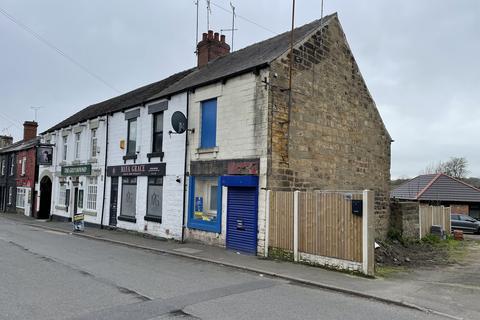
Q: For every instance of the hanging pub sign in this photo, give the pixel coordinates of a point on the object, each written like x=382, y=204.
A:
x=150, y=169
x=44, y=155
x=77, y=170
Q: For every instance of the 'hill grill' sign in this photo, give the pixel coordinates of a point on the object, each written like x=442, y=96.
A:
x=79, y=170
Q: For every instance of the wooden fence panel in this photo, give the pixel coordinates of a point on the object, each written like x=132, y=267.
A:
x=327, y=226
x=281, y=220
x=434, y=215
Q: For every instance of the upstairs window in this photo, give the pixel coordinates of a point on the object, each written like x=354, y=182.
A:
x=208, y=128
x=3, y=167
x=24, y=165
x=157, y=132
x=77, y=145
x=132, y=136
x=12, y=165
x=93, y=143
x=65, y=148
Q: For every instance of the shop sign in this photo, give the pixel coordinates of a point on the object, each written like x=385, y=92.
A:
x=151, y=169
x=78, y=170
x=242, y=167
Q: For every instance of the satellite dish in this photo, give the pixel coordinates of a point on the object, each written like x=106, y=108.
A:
x=179, y=122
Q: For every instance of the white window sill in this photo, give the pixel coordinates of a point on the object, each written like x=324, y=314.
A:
x=61, y=208
x=87, y=212
x=207, y=151
x=92, y=160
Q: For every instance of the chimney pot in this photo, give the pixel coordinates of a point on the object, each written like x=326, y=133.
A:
x=210, y=47
x=29, y=130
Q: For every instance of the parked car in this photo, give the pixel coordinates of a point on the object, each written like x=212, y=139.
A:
x=465, y=223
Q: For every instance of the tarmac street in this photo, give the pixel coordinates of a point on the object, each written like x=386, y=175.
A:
x=51, y=275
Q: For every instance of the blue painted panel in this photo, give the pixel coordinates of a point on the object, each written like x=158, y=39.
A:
x=240, y=181
x=242, y=216
x=208, y=129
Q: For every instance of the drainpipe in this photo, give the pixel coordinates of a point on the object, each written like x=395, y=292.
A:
x=185, y=171
x=104, y=172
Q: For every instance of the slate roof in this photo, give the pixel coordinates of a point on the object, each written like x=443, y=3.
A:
x=20, y=145
x=244, y=60
x=436, y=187
x=232, y=64
x=119, y=103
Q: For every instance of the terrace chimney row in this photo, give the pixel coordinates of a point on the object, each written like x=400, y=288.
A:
x=211, y=47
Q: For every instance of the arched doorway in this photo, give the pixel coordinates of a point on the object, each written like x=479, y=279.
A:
x=45, y=198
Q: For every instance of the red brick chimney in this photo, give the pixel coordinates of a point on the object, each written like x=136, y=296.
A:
x=29, y=130
x=211, y=47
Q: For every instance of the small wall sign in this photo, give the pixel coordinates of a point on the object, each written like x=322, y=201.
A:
x=78, y=170
x=151, y=169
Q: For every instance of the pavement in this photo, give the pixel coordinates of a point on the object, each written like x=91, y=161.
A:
x=450, y=292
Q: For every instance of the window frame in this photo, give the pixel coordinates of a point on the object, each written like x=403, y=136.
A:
x=65, y=148
x=208, y=226
x=126, y=180
x=24, y=166
x=93, y=143
x=78, y=145
x=129, y=126
x=92, y=193
x=154, y=217
x=12, y=165
x=3, y=167
x=206, y=140
x=21, y=194
x=156, y=133
x=10, y=196
x=62, y=195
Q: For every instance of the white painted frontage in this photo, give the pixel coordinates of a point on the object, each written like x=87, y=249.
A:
x=242, y=124
x=174, y=157
x=85, y=152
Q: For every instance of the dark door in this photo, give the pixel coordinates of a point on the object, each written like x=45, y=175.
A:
x=45, y=198
x=75, y=200
x=242, y=219
x=113, y=202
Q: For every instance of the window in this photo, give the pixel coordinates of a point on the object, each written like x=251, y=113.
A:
x=157, y=132
x=12, y=165
x=92, y=193
x=132, y=136
x=93, y=144
x=21, y=198
x=77, y=145
x=65, y=148
x=3, y=167
x=24, y=165
x=62, y=195
x=129, y=199
x=10, y=195
x=154, y=199
x=80, y=199
x=205, y=199
x=208, y=137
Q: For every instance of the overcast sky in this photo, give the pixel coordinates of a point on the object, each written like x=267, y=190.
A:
x=420, y=60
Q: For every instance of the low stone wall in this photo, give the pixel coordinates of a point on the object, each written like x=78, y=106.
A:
x=405, y=218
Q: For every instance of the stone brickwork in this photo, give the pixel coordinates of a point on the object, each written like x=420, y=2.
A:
x=405, y=218
x=332, y=137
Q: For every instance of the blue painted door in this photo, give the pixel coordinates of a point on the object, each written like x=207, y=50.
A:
x=242, y=219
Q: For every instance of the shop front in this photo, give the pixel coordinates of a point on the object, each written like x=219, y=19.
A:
x=136, y=196
x=223, y=203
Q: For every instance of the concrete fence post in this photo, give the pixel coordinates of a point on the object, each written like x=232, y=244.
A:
x=295, y=225
x=368, y=243
x=267, y=221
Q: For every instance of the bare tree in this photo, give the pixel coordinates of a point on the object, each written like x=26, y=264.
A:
x=455, y=167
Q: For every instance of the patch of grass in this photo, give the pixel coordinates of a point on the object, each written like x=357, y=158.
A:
x=387, y=271
x=280, y=254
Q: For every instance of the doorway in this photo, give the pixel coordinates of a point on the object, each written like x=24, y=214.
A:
x=45, y=198
x=112, y=221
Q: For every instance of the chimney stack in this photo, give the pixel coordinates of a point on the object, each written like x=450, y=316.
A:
x=29, y=130
x=211, y=47
x=5, y=141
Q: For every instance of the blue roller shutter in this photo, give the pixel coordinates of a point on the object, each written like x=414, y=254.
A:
x=242, y=219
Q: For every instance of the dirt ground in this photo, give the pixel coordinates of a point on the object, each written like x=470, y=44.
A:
x=421, y=254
